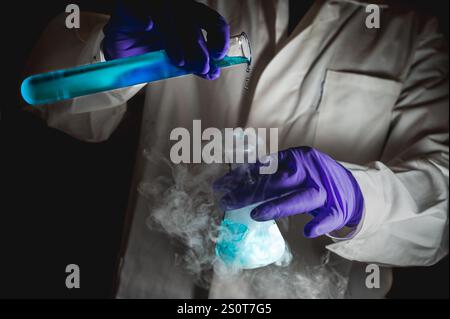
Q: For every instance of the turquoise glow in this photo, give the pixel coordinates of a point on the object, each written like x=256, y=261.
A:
x=93, y=78
x=244, y=243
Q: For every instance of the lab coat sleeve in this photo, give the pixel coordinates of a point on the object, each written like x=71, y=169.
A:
x=91, y=118
x=406, y=193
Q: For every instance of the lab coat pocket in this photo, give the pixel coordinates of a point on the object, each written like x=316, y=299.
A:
x=354, y=115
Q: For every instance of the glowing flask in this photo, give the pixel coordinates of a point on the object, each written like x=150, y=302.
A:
x=244, y=243
x=105, y=76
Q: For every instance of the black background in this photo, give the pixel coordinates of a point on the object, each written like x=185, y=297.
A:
x=63, y=201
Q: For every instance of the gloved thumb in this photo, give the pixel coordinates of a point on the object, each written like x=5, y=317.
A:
x=326, y=220
x=218, y=30
x=297, y=202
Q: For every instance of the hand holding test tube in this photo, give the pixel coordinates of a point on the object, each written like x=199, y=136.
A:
x=59, y=85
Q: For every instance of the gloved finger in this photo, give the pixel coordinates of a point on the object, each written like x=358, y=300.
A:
x=327, y=219
x=288, y=173
x=214, y=73
x=297, y=202
x=142, y=43
x=244, y=186
x=237, y=176
x=174, y=51
x=196, y=56
x=150, y=40
x=238, y=200
x=218, y=30
x=251, y=191
x=241, y=187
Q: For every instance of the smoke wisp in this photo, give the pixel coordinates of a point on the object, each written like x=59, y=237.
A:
x=183, y=204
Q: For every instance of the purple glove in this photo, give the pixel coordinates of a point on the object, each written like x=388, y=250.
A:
x=307, y=181
x=139, y=26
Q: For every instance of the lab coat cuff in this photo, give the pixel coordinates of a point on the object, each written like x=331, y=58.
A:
x=374, y=204
x=346, y=233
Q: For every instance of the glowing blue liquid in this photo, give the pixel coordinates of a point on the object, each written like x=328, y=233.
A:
x=244, y=243
x=89, y=79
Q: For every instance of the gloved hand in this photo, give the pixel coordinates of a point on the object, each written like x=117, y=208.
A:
x=307, y=181
x=140, y=26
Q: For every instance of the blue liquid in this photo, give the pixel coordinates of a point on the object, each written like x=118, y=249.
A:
x=247, y=244
x=94, y=78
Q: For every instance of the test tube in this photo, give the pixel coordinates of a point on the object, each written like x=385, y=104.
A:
x=83, y=80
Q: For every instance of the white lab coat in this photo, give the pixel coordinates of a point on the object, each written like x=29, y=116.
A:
x=374, y=99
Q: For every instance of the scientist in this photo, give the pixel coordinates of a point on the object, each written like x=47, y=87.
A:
x=362, y=115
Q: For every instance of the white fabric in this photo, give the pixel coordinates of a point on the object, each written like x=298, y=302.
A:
x=374, y=99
